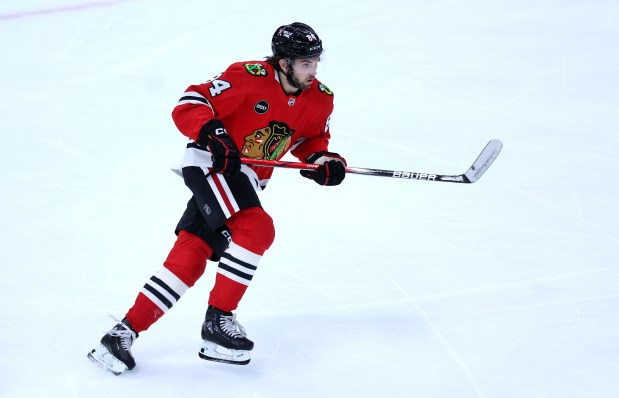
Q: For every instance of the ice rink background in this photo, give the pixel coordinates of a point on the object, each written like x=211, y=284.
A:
x=504, y=288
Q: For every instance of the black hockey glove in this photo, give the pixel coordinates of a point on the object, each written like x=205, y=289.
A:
x=332, y=168
x=226, y=159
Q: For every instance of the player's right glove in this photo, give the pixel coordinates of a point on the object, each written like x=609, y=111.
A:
x=332, y=168
x=226, y=159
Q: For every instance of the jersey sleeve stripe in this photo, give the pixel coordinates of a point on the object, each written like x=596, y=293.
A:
x=192, y=97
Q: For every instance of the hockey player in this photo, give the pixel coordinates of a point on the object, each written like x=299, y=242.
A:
x=257, y=109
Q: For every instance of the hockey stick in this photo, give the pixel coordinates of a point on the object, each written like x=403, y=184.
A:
x=477, y=169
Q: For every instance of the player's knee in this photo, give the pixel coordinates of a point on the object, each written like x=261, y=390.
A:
x=187, y=259
x=266, y=230
x=252, y=229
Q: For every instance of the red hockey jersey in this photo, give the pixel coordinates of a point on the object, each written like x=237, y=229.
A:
x=263, y=121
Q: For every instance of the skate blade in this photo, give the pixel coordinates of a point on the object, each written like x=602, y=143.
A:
x=102, y=357
x=213, y=352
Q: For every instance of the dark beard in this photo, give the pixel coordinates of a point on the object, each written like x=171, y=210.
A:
x=294, y=82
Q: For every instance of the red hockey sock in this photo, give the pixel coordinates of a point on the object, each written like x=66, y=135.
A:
x=234, y=273
x=252, y=234
x=183, y=267
x=143, y=313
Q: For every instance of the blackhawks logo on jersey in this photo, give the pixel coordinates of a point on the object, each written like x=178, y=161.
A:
x=256, y=69
x=269, y=142
x=324, y=89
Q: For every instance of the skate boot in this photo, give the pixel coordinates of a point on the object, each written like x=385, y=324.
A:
x=224, y=339
x=114, y=352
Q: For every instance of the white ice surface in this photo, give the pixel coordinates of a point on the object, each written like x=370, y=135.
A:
x=378, y=288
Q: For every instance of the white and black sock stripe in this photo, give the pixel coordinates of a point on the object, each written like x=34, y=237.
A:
x=238, y=264
x=164, y=289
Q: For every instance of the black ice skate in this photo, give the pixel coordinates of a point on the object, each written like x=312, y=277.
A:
x=224, y=339
x=114, y=352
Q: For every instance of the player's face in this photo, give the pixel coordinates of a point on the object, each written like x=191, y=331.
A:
x=305, y=71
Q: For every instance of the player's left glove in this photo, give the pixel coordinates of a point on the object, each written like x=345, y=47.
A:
x=332, y=170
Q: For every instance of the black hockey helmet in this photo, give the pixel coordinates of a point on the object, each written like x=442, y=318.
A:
x=296, y=40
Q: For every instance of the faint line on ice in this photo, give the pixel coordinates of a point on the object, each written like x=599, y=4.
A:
x=452, y=352
x=442, y=340
x=47, y=11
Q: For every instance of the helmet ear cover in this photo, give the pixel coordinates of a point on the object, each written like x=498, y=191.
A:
x=296, y=40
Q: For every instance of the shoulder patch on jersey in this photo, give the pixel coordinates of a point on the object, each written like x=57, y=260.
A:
x=324, y=89
x=256, y=69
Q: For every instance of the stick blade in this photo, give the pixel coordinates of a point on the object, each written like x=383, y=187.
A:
x=484, y=160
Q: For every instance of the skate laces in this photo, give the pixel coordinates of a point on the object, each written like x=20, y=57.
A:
x=125, y=334
x=231, y=326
